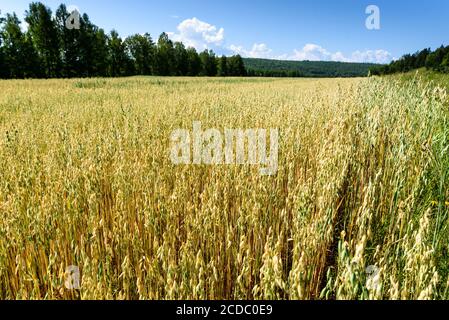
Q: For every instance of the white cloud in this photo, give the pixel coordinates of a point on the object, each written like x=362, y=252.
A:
x=72, y=8
x=311, y=52
x=259, y=50
x=339, y=56
x=202, y=35
x=314, y=52
x=377, y=56
x=198, y=34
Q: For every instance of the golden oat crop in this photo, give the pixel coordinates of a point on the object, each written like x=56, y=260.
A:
x=357, y=210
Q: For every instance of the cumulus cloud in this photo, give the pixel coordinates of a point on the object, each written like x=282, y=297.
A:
x=202, y=35
x=314, y=52
x=198, y=34
x=259, y=50
x=377, y=56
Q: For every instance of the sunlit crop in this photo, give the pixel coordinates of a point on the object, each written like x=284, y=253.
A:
x=86, y=180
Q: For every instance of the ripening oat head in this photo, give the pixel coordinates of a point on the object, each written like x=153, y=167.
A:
x=87, y=180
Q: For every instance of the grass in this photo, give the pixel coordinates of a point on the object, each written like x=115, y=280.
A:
x=86, y=180
x=431, y=77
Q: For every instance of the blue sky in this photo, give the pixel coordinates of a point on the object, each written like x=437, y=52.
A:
x=287, y=29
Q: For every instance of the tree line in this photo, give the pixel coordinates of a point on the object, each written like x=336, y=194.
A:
x=437, y=60
x=275, y=73
x=289, y=68
x=48, y=49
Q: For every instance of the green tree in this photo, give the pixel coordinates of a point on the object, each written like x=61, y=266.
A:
x=141, y=50
x=70, y=41
x=431, y=61
x=19, y=54
x=100, y=53
x=445, y=64
x=209, y=63
x=421, y=57
x=88, y=53
x=181, y=59
x=223, y=67
x=84, y=51
x=44, y=34
x=3, y=68
x=236, y=66
x=193, y=62
x=120, y=64
x=165, y=56
x=435, y=59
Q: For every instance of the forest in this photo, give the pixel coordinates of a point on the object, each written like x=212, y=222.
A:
x=312, y=69
x=48, y=49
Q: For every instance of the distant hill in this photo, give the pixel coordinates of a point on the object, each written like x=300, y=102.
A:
x=325, y=69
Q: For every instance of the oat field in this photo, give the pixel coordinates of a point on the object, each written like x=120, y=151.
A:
x=358, y=208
